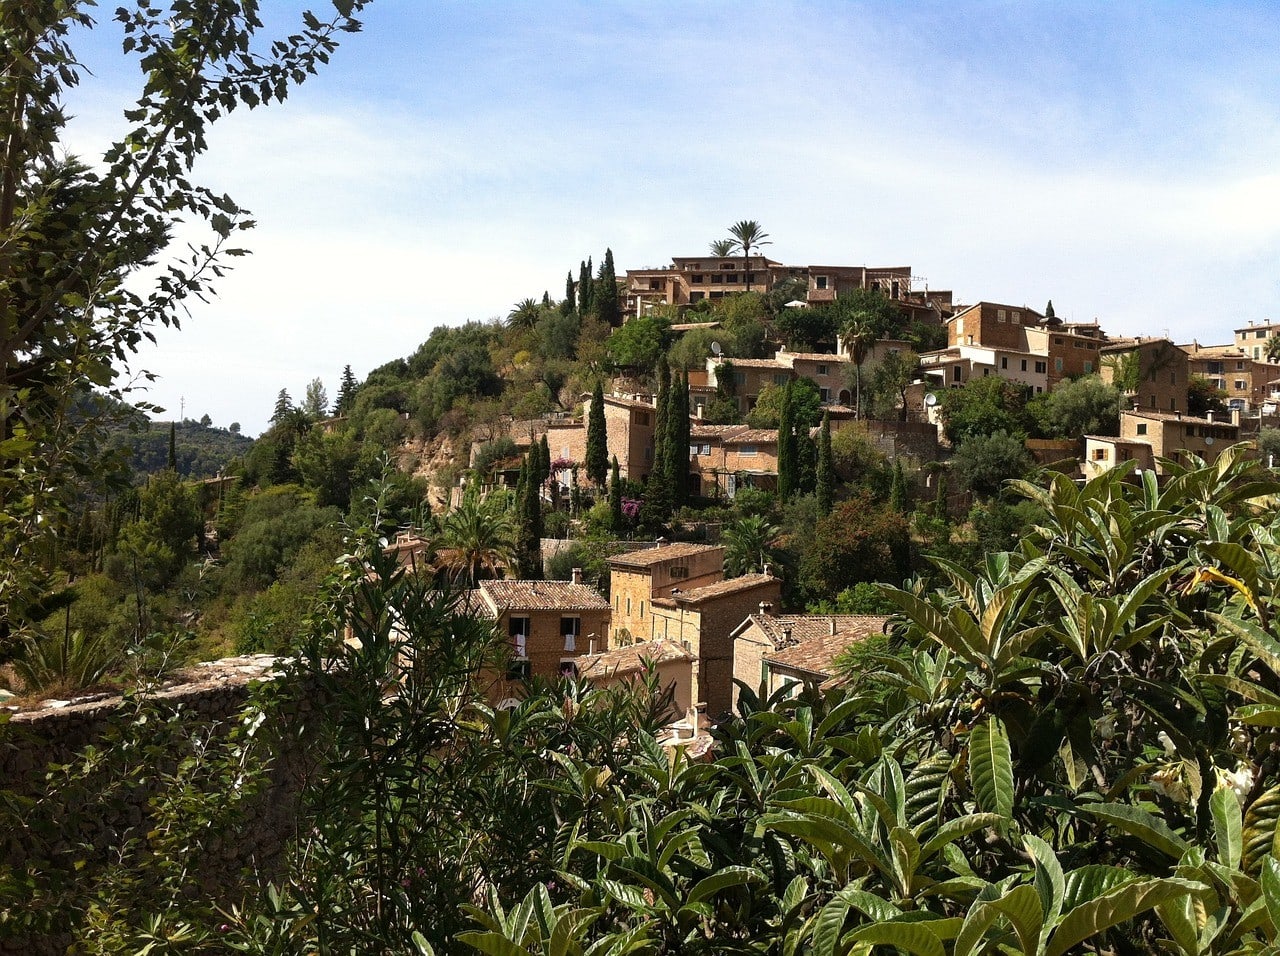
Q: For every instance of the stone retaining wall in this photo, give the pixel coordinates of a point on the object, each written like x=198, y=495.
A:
x=72, y=822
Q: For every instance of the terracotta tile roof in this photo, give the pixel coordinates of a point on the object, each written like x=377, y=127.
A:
x=1112, y=440
x=1125, y=344
x=690, y=326
x=758, y=363
x=1174, y=417
x=648, y=557
x=753, y=436
x=627, y=402
x=816, y=656
x=818, y=357
x=542, y=596
x=631, y=658
x=1196, y=350
x=712, y=592
x=715, y=431
x=785, y=630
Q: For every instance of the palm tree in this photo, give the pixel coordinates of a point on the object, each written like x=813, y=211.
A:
x=1273, y=349
x=477, y=538
x=859, y=337
x=746, y=235
x=524, y=315
x=723, y=247
x=748, y=544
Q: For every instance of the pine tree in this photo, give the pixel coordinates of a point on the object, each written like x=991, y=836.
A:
x=605, y=295
x=173, y=446
x=597, y=439
x=546, y=299
x=570, y=300
x=1048, y=310
x=284, y=406
x=787, y=465
x=346, y=392
x=615, y=498
x=826, y=474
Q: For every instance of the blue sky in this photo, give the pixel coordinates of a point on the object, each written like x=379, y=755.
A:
x=458, y=157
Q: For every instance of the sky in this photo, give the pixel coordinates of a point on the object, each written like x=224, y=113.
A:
x=457, y=157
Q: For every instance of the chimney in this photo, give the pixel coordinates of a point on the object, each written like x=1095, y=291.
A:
x=591, y=643
x=1208, y=415
x=766, y=607
x=575, y=576
x=832, y=622
x=765, y=569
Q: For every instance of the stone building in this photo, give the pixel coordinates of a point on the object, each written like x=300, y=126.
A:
x=637, y=577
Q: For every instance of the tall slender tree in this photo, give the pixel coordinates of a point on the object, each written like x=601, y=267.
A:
x=788, y=467
x=678, y=443
x=597, y=438
x=346, y=392
x=173, y=446
x=283, y=409
x=570, y=299
x=826, y=473
x=748, y=235
x=898, y=498
x=584, y=289
x=658, y=492
x=615, y=498
x=605, y=294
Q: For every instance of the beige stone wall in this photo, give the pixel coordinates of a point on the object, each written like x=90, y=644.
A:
x=749, y=650
x=632, y=591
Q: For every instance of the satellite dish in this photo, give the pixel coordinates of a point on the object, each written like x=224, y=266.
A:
x=715, y=348
x=931, y=399
x=1208, y=440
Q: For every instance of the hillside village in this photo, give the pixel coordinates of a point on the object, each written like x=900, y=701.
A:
x=671, y=605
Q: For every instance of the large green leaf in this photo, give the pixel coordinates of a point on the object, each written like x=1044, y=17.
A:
x=1139, y=823
x=1114, y=907
x=913, y=937
x=1271, y=890
x=493, y=944
x=722, y=880
x=1050, y=882
x=1260, y=829
x=1227, y=826
x=991, y=767
x=1021, y=906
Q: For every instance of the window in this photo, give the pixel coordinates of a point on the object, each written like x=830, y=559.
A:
x=518, y=630
x=679, y=572
x=739, y=378
x=727, y=265
x=1024, y=365
x=1057, y=365
x=697, y=279
x=824, y=394
x=1004, y=361
x=1142, y=428
x=1239, y=366
x=570, y=627
x=1057, y=341
x=1042, y=367
x=1260, y=334
x=695, y=296
x=1016, y=318
x=1239, y=384
x=1000, y=315
x=819, y=282
x=642, y=609
x=1099, y=454
x=955, y=373
x=642, y=419
x=568, y=667
x=1088, y=367
x=628, y=604
x=747, y=451
x=822, y=370
x=780, y=378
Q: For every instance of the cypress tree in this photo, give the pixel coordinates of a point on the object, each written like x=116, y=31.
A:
x=679, y=437
x=546, y=299
x=597, y=439
x=898, y=489
x=940, y=500
x=584, y=289
x=173, y=446
x=787, y=471
x=605, y=294
x=658, y=494
x=284, y=405
x=570, y=300
x=615, y=498
x=544, y=459
x=826, y=474
x=529, y=507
